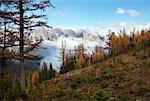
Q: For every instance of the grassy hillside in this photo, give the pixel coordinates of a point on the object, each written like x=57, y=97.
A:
x=124, y=77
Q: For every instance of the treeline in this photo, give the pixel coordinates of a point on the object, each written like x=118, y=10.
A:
x=78, y=58
x=44, y=73
x=125, y=42
x=136, y=43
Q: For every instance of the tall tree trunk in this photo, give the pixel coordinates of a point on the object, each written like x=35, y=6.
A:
x=22, y=83
x=3, y=60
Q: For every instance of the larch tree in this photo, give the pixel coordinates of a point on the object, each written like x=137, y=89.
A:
x=63, y=53
x=34, y=78
x=25, y=16
x=80, y=59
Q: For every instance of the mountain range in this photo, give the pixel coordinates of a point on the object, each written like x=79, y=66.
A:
x=54, y=37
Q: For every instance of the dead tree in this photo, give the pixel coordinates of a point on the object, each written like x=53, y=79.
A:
x=63, y=53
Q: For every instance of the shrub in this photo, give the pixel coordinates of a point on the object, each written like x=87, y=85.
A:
x=101, y=94
x=13, y=92
x=60, y=93
x=143, y=86
x=74, y=85
x=124, y=95
x=106, y=73
x=78, y=81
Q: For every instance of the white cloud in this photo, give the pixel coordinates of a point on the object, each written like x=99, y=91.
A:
x=61, y=13
x=128, y=26
x=148, y=25
x=120, y=25
x=123, y=24
x=120, y=10
x=130, y=12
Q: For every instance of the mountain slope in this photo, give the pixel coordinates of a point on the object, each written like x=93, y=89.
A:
x=121, y=78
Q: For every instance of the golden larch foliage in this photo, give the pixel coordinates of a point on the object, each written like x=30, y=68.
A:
x=121, y=43
x=34, y=78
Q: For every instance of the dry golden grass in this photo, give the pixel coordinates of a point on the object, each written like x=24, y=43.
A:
x=117, y=76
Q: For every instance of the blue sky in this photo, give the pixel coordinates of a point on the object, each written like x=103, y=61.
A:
x=99, y=13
